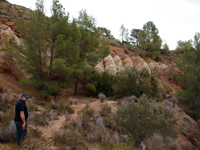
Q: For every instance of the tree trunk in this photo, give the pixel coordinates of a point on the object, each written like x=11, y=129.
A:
x=76, y=87
x=50, y=66
x=40, y=70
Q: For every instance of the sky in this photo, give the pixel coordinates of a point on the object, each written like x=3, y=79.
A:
x=175, y=19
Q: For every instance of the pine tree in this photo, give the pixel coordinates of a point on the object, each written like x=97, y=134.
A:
x=63, y=43
x=149, y=40
x=31, y=57
x=189, y=64
x=89, y=51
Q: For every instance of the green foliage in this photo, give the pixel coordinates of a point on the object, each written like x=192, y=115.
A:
x=143, y=119
x=124, y=33
x=189, y=64
x=135, y=36
x=131, y=82
x=184, y=46
x=166, y=90
x=32, y=55
x=105, y=32
x=87, y=47
x=99, y=83
x=165, y=49
x=149, y=39
x=117, y=147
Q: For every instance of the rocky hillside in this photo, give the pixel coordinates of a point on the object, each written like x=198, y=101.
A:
x=112, y=64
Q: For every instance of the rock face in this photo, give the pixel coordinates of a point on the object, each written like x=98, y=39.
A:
x=127, y=62
x=110, y=66
x=118, y=63
x=139, y=63
x=113, y=64
x=6, y=34
x=4, y=66
x=190, y=135
x=100, y=67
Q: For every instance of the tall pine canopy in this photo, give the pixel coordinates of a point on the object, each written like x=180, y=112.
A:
x=189, y=64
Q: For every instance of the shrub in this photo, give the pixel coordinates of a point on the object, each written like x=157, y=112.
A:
x=105, y=110
x=61, y=107
x=7, y=133
x=101, y=83
x=33, y=141
x=40, y=102
x=6, y=117
x=35, y=133
x=173, y=145
x=40, y=118
x=102, y=97
x=32, y=107
x=128, y=100
x=166, y=90
x=101, y=125
x=174, y=100
x=155, y=142
x=114, y=42
x=71, y=101
x=131, y=82
x=87, y=103
x=75, y=101
x=67, y=138
x=143, y=119
x=89, y=111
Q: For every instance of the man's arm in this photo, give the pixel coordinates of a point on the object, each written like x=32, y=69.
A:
x=23, y=118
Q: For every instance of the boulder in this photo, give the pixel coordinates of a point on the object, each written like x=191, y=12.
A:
x=100, y=67
x=155, y=65
x=110, y=66
x=127, y=62
x=118, y=63
x=139, y=63
x=6, y=34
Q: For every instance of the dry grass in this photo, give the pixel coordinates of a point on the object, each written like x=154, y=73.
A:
x=13, y=10
x=69, y=138
x=33, y=141
x=105, y=110
x=61, y=107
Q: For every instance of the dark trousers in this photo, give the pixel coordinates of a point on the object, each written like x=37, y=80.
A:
x=20, y=133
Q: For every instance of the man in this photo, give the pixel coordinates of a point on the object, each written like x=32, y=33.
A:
x=21, y=115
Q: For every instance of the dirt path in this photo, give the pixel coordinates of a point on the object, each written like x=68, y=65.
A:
x=55, y=125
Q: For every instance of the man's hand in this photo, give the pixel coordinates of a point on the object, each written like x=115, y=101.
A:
x=23, y=119
x=23, y=125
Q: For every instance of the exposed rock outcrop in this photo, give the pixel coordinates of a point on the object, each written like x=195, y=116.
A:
x=6, y=34
x=190, y=135
x=127, y=62
x=110, y=66
x=139, y=63
x=118, y=63
x=100, y=67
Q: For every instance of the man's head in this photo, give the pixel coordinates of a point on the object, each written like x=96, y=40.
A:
x=24, y=97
